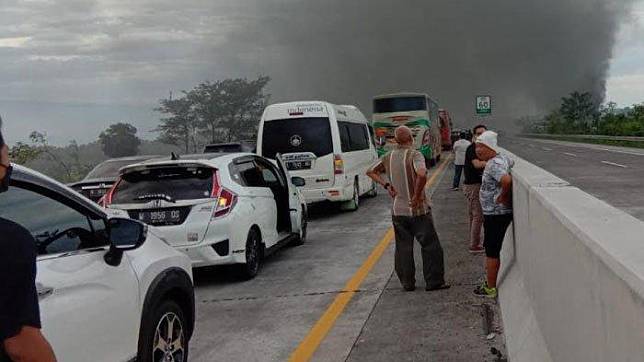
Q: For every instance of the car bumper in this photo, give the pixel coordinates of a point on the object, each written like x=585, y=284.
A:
x=333, y=194
x=210, y=254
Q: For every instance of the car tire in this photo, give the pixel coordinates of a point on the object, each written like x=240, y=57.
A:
x=374, y=190
x=154, y=343
x=250, y=269
x=301, y=237
x=354, y=203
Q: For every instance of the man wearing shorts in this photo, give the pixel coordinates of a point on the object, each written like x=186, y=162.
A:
x=496, y=202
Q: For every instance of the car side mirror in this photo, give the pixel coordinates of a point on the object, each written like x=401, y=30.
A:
x=125, y=234
x=298, y=181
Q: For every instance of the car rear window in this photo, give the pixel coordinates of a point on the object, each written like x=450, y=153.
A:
x=223, y=148
x=177, y=183
x=108, y=169
x=297, y=135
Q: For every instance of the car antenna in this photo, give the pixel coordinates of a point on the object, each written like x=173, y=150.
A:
x=174, y=156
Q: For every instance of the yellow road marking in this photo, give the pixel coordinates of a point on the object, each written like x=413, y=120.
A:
x=316, y=335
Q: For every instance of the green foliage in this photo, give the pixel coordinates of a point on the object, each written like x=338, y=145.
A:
x=220, y=111
x=120, y=140
x=180, y=127
x=23, y=153
x=579, y=114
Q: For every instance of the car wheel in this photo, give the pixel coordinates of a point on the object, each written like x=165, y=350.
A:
x=250, y=269
x=301, y=237
x=164, y=335
x=354, y=203
x=374, y=190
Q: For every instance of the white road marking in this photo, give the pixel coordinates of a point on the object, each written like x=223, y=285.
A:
x=619, y=151
x=570, y=154
x=614, y=164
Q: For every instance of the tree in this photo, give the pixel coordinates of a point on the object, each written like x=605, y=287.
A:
x=230, y=107
x=120, y=140
x=580, y=110
x=181, y=126
x=22, y=153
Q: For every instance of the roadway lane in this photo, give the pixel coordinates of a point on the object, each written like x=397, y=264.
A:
x=612, y=174
x=266, y=318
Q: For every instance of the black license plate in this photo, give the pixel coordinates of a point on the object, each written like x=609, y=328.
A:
x=298, y=165
x=161, y=217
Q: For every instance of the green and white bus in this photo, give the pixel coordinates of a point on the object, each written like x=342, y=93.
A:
x=414, y=110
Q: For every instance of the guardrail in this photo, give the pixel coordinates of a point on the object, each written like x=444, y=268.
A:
x=624, y=141
x=583, y=137
x=572, y=279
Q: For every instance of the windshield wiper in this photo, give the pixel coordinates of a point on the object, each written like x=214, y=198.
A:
x=150, y=197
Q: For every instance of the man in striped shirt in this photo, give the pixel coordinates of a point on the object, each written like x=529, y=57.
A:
x=412, y=217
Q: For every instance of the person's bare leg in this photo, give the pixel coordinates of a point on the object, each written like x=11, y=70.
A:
x=492, y=266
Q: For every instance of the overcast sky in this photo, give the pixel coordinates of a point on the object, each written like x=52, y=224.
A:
x=626, y=82
x=70, y=68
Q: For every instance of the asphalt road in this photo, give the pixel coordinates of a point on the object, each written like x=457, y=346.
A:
x=612, y=174
x=267, y=318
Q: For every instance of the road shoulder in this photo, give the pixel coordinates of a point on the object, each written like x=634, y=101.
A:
x=434, y=326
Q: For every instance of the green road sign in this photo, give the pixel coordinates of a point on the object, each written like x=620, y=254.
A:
x=483, y=104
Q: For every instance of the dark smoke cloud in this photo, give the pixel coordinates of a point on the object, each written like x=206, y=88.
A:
x=526, y=54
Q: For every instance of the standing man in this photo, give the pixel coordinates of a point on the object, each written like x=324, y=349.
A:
x=496, y=201
x=20, y=336
x=473, y=172
x=460, y=147
x=412, y=217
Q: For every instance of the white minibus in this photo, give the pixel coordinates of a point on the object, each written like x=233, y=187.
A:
x=329, y=146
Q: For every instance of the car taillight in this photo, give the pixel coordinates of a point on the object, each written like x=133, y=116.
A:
x=107, y=198
x=381, y=132
x=226, y=199
x=338, y=165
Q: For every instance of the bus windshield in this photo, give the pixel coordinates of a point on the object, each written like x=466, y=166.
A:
x=399, y=104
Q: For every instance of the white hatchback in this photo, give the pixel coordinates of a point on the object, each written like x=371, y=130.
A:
x=217, y=208
x=109, y=289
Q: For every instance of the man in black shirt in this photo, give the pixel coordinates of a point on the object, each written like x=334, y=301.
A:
x=20, y=336
x=473, y=171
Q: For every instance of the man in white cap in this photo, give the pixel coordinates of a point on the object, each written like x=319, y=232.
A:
x=496, y=202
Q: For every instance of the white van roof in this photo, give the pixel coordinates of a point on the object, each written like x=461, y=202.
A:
x=310, y=109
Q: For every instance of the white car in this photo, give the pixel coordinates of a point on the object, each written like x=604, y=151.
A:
x=330, y=146
x=109, y=289
x=217, y=208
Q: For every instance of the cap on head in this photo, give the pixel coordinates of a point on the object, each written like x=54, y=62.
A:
x=489, y=139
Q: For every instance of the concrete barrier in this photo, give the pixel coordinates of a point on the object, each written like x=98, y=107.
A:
x=572, y=280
